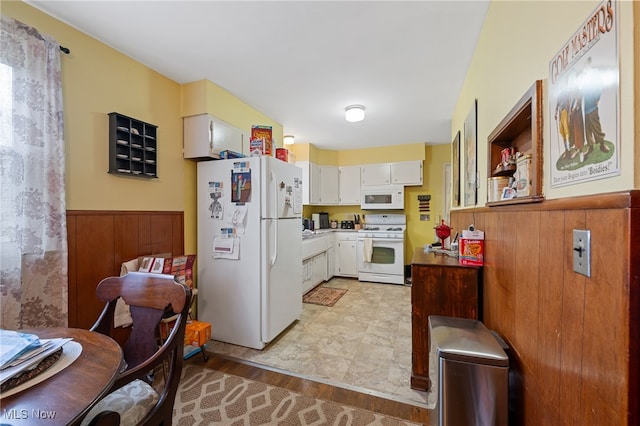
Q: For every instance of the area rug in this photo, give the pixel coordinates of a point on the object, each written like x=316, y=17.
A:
x=208, y=396
x=325, y=296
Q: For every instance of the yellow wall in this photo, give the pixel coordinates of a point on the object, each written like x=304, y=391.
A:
x=517, y=41
x=420, y=232
x=98, y=80
x=354, y=157
x=203, y=96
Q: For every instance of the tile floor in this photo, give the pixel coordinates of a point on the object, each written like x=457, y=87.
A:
x=363, y=342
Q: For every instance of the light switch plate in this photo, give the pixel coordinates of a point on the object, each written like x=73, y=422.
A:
x=582, y=251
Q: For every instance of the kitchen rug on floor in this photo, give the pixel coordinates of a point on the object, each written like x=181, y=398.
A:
x=208, y=396
x=325, y=296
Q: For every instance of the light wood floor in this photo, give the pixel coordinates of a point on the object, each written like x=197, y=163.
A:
x=318, y=390
x=362, y=343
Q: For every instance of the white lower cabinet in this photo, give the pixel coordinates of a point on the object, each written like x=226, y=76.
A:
x=331, y=256
x=314, y=261
x=307, y=275
x=345, y=251
x=314, y=271
x=326, y=256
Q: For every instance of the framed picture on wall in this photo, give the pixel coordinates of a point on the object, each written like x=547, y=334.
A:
x=584, y=102
x=455, y=169
x=471, y=160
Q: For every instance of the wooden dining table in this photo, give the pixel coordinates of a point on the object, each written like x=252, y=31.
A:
x=66, y=397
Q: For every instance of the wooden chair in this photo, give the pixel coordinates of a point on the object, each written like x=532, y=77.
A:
x=132, y=395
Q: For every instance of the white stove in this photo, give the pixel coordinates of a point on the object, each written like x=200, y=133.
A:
x=380, y=249
x=384, y=226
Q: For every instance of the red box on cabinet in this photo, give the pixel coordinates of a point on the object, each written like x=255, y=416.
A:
x=471, y=248
x=282, y=154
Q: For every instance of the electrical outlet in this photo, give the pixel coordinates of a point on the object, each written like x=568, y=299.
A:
x=582, y=251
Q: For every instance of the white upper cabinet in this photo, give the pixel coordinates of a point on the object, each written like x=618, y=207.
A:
x=310, y=182
x=319, y=183
x=329, y=186
x=406, y=173
x=376, y=174
x=350, y=185
x=333, y=185
x=206, y=136
x=402, y=173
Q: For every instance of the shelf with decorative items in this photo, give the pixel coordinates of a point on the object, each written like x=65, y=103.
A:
x=133, y=147
x=515, y=153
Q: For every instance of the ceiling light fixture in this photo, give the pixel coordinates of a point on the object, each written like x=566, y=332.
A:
x=354, y=113
x=289, y=140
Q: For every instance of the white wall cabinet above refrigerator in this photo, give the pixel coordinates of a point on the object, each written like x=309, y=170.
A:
x=205, y=136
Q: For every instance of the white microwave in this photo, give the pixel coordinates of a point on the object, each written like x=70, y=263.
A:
x=386, y=197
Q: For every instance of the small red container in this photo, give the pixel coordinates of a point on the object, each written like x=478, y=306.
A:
x=282, y=154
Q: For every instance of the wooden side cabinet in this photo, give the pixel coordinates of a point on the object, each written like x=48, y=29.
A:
x=439, y=286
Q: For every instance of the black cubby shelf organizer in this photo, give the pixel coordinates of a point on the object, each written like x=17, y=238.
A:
x=133, y=147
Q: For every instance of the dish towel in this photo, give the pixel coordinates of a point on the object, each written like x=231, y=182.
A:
x=367, y=249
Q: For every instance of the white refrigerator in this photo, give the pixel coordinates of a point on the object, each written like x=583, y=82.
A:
x=249, y=248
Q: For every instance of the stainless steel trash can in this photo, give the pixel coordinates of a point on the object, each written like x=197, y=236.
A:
x=472, y=372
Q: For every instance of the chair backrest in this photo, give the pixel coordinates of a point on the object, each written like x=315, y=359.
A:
x=149, y=296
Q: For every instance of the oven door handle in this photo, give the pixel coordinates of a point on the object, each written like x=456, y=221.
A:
x=384, y=240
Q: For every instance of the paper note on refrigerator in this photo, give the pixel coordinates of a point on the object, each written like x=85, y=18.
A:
x=236, y=217
x=226, y=248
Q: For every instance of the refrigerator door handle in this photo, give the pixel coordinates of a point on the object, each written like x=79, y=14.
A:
x=275, y=244
x=274, y=183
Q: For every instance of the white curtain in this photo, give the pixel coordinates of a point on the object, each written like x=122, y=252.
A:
x=33, y=230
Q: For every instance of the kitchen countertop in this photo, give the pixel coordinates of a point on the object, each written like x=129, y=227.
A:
x=320, y=232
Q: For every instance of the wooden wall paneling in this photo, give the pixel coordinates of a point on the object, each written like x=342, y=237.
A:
x=127, y=240
x=491, y=299
x=572, y=325
x=72, y=280
x=632, y=268
x=161, y=237
x=177, y=241
x=543, y=390
x=144, y=236
x=581, y=364
x=99, y=241
x=526, y=265
x=605, y=353
x=94, y=254
x=500, y=242
x=526, y=258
